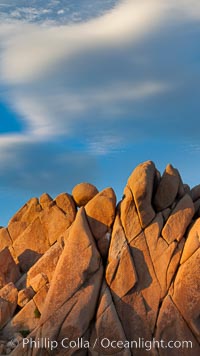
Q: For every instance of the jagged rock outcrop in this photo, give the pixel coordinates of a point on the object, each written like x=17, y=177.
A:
x=104, y=279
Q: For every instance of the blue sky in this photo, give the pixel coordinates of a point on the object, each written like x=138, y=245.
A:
x=89, y=89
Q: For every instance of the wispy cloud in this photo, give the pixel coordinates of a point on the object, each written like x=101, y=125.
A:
x=32, y=50
x=31, y=58
x=124, y=74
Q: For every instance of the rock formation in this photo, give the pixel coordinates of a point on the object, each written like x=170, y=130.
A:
x=82, y=276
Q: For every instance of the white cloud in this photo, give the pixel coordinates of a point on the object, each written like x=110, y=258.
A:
x=60, y=12
x=36, y=64
x=33, y=49
x=30, y=52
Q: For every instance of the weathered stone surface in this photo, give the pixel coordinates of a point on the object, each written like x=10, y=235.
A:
x=107, y=323
x=38, y=281
x=28, y=212
x=197, y=207
x=66, y=203
x=165, y=258
x=118, y=240
x=195, y=192
x=46, y=200
x=26, y=319
x=172, y=328
x=166, y=213
x=12, y=344
x=24, y=296
x=31, y=244
x=149, y=288
x=46, y=264
x=181, y=189
x=13, y=254
x=2, y=348
x=5, y=239
x=33, y=209
x=193, y=241
x=121, y=274
x=186, y=292
x=54, y=223
x=83, y=193
x=179, y=220
x=73, y=289
x=25, y=216
x=152, y=234
x=40, y=296
x=174, y=262
x=129, y=217
x=21, y=283
x=9, y=271
x=100, y=214
x=147, y=284
x=141, y=183
x=16, y=228
x=19, y=214
x=8, y=303
x=187, y=189
x=140, y=301
x=167, y=188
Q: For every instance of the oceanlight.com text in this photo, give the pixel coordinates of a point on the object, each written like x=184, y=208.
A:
x=106, y=343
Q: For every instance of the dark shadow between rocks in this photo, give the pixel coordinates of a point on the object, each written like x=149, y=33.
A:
x=27, y=259
x=144, y=277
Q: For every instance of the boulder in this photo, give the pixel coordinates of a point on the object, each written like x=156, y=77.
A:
x=54, y=223
x=174, y=263
x=46, y=201
x=187, y=189
x=5, y=239
x=125, y=273
x=167, y=189
x=38, y=281
x=24, y=296
x=21, y=283
x=31, y=244
x=83, y=193
x=25, y=216
x=172, y=328
x=186, y=292
x=107, y=324
x=100, y=214
x=9, y=271
x=195, y=192
x=147, y=285
x=16, y=228
x=26, y=319
x=46, y=264
x=66, y=203
x=129, y=217
x=179, y=220
x=118, y=239
x=141, y=184
x=181, y=189
x=197, y=207
x=40, y=297
x=166, y=213
x=123, y=266
x=8, y=303
x=192, y=243
x=72, y=290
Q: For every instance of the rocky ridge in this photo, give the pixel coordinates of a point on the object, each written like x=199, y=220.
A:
x=80, y=267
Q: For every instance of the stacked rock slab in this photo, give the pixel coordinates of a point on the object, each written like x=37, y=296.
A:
x=110, y=280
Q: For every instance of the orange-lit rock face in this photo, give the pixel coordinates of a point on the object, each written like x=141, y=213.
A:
x=83, y=193
x=104, y=272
